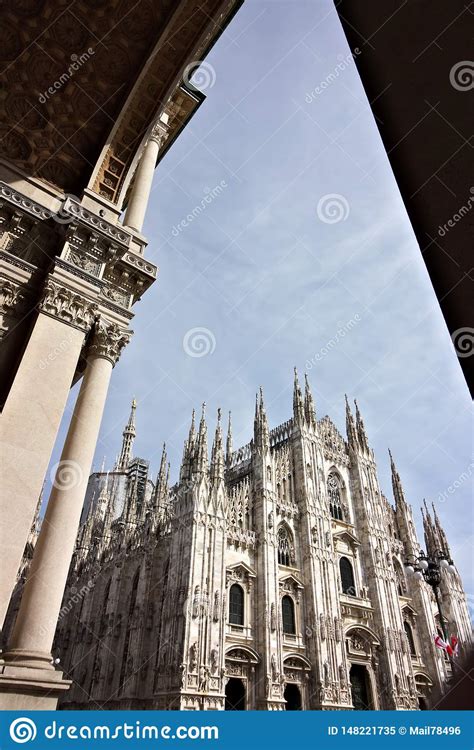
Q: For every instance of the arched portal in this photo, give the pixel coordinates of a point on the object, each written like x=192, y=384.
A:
x=360, y=687
x=234, y=695
x=292, y=696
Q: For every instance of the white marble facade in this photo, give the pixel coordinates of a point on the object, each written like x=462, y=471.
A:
x=269, y=577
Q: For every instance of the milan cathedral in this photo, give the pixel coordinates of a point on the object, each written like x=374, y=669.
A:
x=269, y=577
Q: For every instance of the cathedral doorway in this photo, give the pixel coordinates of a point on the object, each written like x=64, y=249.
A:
x=234, y=695
x=360, y=687
x=292, y=696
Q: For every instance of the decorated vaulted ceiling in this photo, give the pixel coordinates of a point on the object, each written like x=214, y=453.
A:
x=69, y=67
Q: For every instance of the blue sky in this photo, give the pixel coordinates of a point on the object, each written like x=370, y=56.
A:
x=272, y=281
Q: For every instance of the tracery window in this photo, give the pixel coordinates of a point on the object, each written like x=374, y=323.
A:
x=347, y=577
x=288, y=615
x=335, y=496
x=286, y=552
x=236, y=605
x=411, y=640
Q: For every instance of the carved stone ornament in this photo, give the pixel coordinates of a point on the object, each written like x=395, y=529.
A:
x=158, y=133
x=272, y=617
x=108, y=341
x=68, y=306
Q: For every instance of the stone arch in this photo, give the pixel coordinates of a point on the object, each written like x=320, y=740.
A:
x=362, y=646
x=250, y=654
x=423, y=685
x=241, y=663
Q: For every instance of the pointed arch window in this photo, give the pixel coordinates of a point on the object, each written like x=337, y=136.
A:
x=400, y=576
x=288, y=615
x=410, y=639
x=347, y=577
x=286, y=550
x=236, y=605
x=334, y=487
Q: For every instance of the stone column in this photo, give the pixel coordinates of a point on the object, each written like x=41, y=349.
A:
x=137, y=206
x=32, y=636
x=31, y=416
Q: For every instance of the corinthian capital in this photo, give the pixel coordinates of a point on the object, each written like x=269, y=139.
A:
x=158, y=133
x=108, y=340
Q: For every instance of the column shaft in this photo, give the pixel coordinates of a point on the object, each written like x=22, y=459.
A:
x=137, y=206
x=28, y=428
x=35, y=626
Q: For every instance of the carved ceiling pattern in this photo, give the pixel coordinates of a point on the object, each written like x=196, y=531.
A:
x=67, y=70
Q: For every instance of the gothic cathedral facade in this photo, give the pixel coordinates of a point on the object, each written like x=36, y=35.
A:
x=270, y=577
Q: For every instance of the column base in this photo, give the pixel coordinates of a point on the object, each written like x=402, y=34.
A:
x=26, y=688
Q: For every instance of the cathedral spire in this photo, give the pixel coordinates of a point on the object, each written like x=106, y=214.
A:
x=261, y=434
x=361, y=433
x=131, y=511
x=298, y=405
x=102, y=511
x=201, y=446
x=161, y=488
x=443, y=541
x=309, y=410
x=161, y=479
x=129, y=434
x=228, y=457
x=192, y=433
x=350, y=426
x=35, y=525
x=217, y=456
x=429, y=531
x=398, y=494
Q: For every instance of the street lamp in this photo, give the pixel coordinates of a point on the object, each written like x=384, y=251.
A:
x=429, y=567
